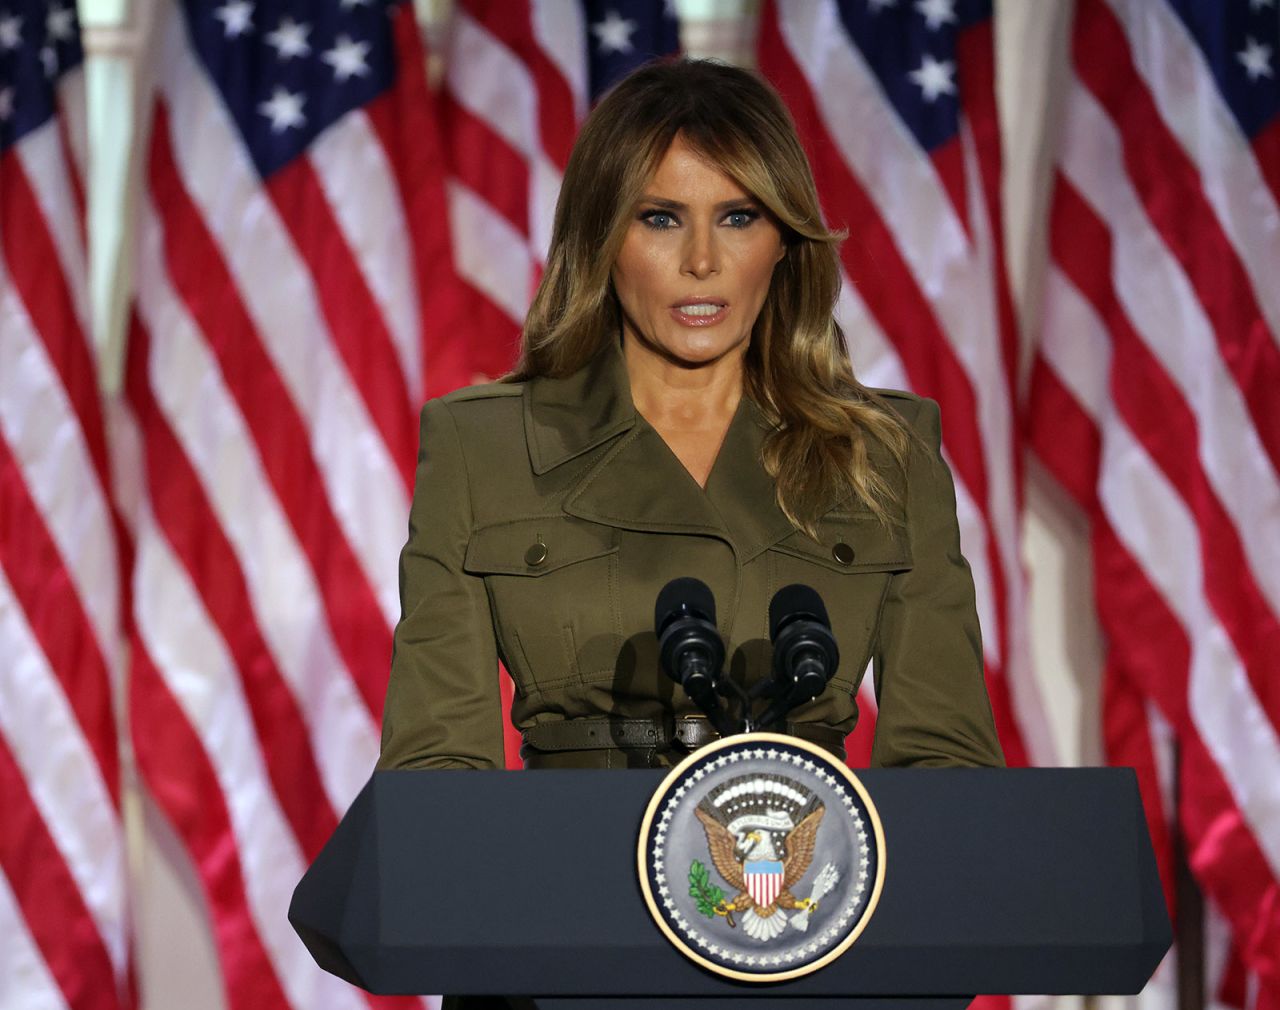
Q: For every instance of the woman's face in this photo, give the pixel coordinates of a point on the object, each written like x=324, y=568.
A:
x=696, y=262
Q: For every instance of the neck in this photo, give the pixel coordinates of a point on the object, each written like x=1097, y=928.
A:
x=669, y=393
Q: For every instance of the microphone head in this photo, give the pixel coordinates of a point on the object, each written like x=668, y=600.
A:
x=684, y=596
x=795, y=602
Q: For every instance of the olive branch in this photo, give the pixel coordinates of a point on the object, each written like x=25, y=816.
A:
x=707, y=896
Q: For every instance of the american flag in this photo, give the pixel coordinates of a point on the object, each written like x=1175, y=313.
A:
x=519, y=78
x=895, y=104
x=295, y=305
x=1156, y=403
x=62, y=854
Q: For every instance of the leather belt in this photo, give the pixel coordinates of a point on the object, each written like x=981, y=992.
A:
x=687, y=733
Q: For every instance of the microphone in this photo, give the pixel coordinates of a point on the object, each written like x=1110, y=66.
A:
x=689, y=646
x=805, y=655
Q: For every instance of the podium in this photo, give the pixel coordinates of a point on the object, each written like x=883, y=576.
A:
x=996, y=881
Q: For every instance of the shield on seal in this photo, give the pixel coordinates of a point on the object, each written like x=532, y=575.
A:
x=763, y=878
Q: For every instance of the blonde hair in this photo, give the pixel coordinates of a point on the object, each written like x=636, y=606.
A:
x=797, y=367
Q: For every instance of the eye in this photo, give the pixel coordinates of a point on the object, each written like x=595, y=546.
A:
x=658, y=220
x=741, y=218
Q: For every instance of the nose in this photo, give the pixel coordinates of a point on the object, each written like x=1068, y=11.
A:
x=701, y=253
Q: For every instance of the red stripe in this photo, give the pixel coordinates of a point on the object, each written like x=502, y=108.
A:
x=512, y=25
x=51, y=604
x=975, y=53
x=511, y=736
x=51, y=903
x=892, y=294
x=404, y=119
x=202, y=280
x=178, y=775
x=858, y=744
x=948, y=163
x=1062, y=435
x=496, y=336
x=1160, y=419
x=190, y=526
x=486, y=164
x=355, y=322
x=1171, y=191
x=32, y=261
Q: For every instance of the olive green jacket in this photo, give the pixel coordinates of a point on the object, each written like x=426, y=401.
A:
x=548, y=514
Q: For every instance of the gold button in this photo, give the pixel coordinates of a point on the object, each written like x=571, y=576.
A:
x=843, y=553
x=536, y=554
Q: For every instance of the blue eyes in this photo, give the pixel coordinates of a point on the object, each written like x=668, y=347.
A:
x=662, y=220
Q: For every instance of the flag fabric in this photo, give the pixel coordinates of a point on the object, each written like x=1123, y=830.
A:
x=295, y=306
x=519, y=78
x=62, y=855
x=895, y=105
x=1156, y=402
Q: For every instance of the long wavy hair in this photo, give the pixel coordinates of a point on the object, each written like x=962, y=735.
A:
x=797, y=367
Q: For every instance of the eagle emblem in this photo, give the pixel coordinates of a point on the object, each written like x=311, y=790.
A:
x=761, y=831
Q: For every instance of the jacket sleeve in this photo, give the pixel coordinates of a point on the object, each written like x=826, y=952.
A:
x=928, y=668
x=443, y=709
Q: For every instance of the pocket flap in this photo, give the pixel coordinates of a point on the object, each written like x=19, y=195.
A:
x=852, y=542
x=536, y=546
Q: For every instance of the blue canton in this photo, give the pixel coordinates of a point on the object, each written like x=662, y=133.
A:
x=39, y=42
x=910, y=46
x=622, y=34
x=289, y=69
x=1239, y=39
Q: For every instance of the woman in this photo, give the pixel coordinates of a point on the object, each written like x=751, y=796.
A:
x=683, y=405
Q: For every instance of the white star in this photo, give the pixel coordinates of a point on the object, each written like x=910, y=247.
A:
x=614, y=33
x=1257, y=5
x=290, y=39
x=347, y=58
x=878, y=5
x=937, y=12
x=10, y=31
x=284, y=109
x=236, y=17
x=60, y=23
x=772, y=753
x=1256, y=59
x=351, y=4
x=759, y=752
x=49, y=57
x=6, y=103
x=713, y=949
x=934, y=78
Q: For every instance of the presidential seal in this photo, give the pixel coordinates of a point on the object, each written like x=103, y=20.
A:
x=761, y=857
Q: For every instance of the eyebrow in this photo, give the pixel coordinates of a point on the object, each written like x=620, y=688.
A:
x=665, y=204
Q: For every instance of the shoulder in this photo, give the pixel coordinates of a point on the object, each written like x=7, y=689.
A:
x=475, y=409
x=919, y=413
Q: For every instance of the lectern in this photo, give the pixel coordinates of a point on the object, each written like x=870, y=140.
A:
x=996, y=881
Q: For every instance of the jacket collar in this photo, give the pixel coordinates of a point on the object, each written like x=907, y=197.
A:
x=639, y=483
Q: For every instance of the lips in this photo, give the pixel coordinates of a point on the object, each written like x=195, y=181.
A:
x=699, y=311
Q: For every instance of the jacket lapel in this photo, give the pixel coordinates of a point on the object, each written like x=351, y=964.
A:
x=639, y=483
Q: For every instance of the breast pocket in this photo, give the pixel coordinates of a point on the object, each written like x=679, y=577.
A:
x=552, y=583
x=850, y=565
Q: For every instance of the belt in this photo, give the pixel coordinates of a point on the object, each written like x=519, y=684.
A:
x=687, y=733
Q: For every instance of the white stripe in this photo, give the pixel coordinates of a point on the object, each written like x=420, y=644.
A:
x=1193, y=109
x=360, y=188
x=25, y=980
x=45, y=169
x=62, y=775
x=361, y=481
x=1160, y=301
x=490, y=81
x=1148, y=516
x=42, y=429
x=544, y=190
x=281, y=587
x=203, y=680
x=560, y=29
x=490, y=254
x=1076, y=345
